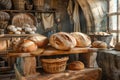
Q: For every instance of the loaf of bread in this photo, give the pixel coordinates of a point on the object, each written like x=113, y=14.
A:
x=40, y=40
x=76, y=65
x=117, y=46
x=99, y=44
x=27, y=46
x=82, y=39
x=3, y=45
x=62, y=41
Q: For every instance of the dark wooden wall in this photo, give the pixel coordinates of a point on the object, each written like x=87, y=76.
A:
x=65, y=25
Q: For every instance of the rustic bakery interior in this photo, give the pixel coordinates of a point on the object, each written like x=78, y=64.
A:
x=59, y=40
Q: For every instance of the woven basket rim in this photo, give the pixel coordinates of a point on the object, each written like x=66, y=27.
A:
x=55, y=60
x=29, y=15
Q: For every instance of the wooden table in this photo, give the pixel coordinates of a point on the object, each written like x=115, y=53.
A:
x=85, y=74
x=49, y=51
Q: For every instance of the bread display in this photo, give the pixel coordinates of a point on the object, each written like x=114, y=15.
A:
x=82, y=39
x=62, y=41
x=40, y=40
x=76, y=65
x=117, y=46
x=99, y=44
x=27, y=46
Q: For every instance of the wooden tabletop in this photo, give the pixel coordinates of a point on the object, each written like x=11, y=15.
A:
x=52, y=51
x=85, y=74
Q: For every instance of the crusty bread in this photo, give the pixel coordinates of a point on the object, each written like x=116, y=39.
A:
x=3, y=45
x=27, y=46
x=117, y=46
x=82, y=39
x=99, y=44
x=62, y=41
x=40, y=40
x=76, y=65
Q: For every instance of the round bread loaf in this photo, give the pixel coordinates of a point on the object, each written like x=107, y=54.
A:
x=76, y=65
x=40, y=40
x=99, y=44
x=117, y=46
x=3, y=45
x=27, y=46
x=82, y=39
x=62, y=41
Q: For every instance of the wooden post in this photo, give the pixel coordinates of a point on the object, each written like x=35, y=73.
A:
x=26, y=65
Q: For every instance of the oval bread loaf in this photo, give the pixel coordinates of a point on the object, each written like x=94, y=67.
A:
x=82, y=39
x=62, y=41
x=27, y=46
x=117, y=46
x=99, y=44
x=76, y=65
x=40, y=40
x=3, y=45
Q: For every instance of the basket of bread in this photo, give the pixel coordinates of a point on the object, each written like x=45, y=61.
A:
x=22, y=23
x=101, y=36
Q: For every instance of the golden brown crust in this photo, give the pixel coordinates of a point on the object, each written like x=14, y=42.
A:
x=99, y=44
x=40, y=40
x=62, y=41
x=82, y=39
x=3, y=45
x=76, y=65
x=117, y=46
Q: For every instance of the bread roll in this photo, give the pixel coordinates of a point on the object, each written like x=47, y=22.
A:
x=76, y=65
x=3, y=45
x=99, y=44
x=40, y=40
x=62, y=41
x=27, y=46
x=117, y=46
x=82, y=39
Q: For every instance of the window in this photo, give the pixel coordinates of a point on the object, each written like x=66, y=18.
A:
x=114, y=18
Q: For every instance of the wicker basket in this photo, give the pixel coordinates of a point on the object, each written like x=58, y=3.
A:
x=38, y=4
x=3, y=24
x=19, y=4
x=105, y=38
x=54, y=65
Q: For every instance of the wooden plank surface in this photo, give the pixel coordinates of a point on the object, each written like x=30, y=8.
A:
x=85, y=74
x=51, y=51
x=15, y=35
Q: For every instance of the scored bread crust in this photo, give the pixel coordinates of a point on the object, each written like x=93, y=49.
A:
x=40, y=40
x=82, y=39
x=62, y=41
x=99, y=44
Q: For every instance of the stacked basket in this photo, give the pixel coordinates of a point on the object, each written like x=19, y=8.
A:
x=5, y=4
x=19, y=4
x=4, y=19
x=38, y=4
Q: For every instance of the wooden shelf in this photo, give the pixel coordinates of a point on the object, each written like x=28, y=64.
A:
x=4, y=36
x=51, y=51
x=41, y=11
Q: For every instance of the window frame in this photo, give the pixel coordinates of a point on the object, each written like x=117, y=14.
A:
x=118, y=19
